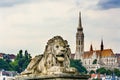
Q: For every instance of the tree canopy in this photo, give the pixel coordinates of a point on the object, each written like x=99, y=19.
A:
x=117, y=72
x=91, y=72
x=108, y=71
x=4, y=65
x=101, y=70
x=78, y=65
x=19, y=64
x=21, y=61
x=95, y=61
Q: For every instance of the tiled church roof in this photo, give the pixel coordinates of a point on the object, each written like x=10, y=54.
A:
x=99, y=53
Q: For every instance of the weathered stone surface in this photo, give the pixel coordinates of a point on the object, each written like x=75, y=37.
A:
x=54, y=64
x=55, y=77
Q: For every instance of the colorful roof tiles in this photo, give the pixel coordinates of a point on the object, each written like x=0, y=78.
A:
x=99, y=53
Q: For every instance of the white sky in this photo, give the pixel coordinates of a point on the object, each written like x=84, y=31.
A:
x=30, y=24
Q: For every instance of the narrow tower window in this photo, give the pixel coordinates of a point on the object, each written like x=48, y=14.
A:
x=79, y=42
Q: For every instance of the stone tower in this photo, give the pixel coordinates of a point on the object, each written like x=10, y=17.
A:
x=79, y=40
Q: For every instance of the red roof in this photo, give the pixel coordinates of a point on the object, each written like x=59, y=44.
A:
x=12, y=56
x=99, y=53
x=1, y=54
x=117, y=55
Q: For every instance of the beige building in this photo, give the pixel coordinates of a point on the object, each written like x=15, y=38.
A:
x=93, y=59
x=118, y=58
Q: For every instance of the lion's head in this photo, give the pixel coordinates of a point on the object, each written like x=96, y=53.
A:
x=58, y=47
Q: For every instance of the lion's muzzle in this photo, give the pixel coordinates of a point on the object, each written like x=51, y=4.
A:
x=60, y=57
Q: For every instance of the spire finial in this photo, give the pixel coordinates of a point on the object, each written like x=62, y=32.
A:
x=102, y=45
x=91, y=48
x=80, y=22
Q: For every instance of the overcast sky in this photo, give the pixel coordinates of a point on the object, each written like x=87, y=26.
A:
x=29, y=24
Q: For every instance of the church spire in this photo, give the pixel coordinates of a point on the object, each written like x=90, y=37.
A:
x=79, y=39
x=80, y=23
x=102, y=45
x=91, y=47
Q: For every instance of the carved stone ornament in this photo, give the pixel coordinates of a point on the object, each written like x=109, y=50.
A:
x=55, y=59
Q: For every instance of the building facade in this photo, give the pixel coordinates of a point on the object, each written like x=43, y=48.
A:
x=118, y=58
x=7, y=56
x=93, y=59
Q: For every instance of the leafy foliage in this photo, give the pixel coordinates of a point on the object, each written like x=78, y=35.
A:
x=78, y=65
x=101, y=70
x=117, y=72
x=95, y=61
x=4, y=65
x=91, y=72
x=21, y=61
x=6, y=58
x=109, y=72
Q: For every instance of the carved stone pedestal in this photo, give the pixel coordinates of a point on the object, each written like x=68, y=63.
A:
x=54, y=77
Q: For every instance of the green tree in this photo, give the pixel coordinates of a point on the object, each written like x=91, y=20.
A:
x=108, y=72
x=4, y=65
x=78, y=65
x=21, y=61
x=26, y=54
x=117, y=72
x=101, y=70
x=6, y=58
x=91, y=72
x=27, y=59
x=15, y=65
x=19, y=55
x=19, y=64
x=95, y=61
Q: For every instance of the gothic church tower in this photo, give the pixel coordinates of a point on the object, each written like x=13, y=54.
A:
x=79, y=40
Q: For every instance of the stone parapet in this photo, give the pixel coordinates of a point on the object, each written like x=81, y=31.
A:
x=54, y=77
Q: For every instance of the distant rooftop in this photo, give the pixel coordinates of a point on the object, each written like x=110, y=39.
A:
x=117, y=54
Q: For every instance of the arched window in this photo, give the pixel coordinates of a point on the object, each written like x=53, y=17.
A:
x=79, y=43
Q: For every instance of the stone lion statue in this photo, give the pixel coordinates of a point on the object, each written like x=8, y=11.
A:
x=55, y=58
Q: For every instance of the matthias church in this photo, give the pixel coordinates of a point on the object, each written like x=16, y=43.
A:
x=93, y=59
